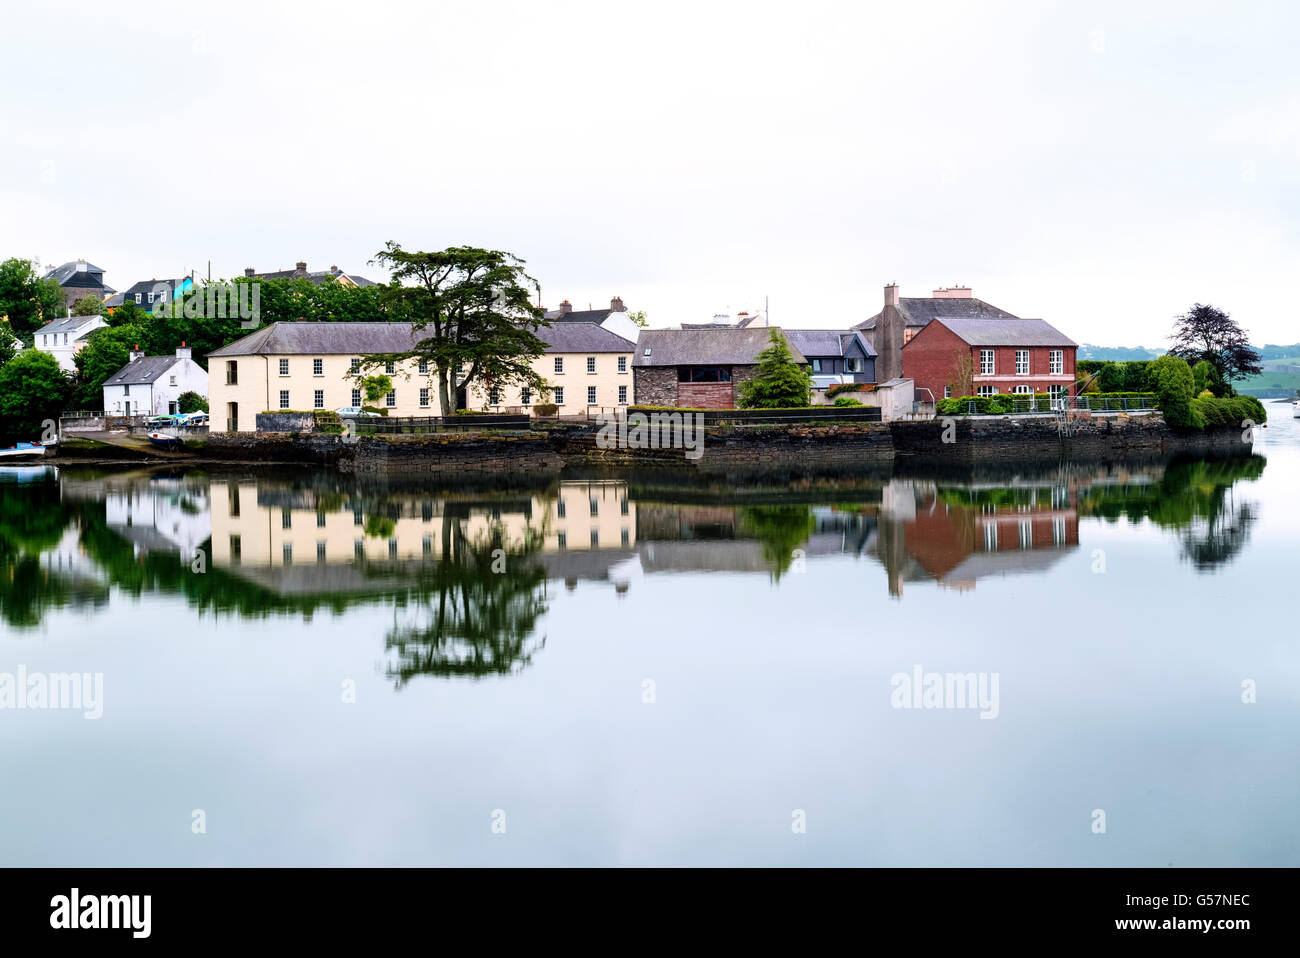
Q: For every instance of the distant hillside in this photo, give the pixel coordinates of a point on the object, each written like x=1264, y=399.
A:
x=1116, y=353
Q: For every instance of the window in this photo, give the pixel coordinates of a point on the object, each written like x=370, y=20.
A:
x=947, y=392
x=126, y=389
x=591, y=364
x=593, y=505
x=907, y=335
x=1022, y=388
x=1026, y=534
x=232, y=372
x=1022, y=362
x=172, y=381
x=356, y=398
x=426, y=545
x=1058, y=392
x=355, y=367
x=318, y=367
x=284, y=367
x=286, y=518
x=1056, y=362
x=559, y=509
x=622, y=506
x=559, y=395
x=622, y=364
x=391, y=399
x=390, y=368
x=595, y=539
x=986, y=362
x=990, y=537
x=392, y=548
x=320, y=550
x=236, y=548
x=65, y=339
x=151, y=297
x=559, y=364
x=1058, y=531
x=704, y=374
x=624, y=538
x=424, y=398
x=622, y=395
x=648, y=351
x=853, y=364
x=986, y=390
x=591, y=395
x=287, y=552
x=816, y=365
x=525, y=396
x=494, y=396
x=561, y=540
x=318, y=399
x=284, y=399
x=358, y=548
x=137, y=297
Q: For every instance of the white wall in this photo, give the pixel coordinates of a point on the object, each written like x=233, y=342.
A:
x=64, y=352
x=155, y=399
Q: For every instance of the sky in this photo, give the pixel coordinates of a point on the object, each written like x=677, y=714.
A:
x=1100, y=165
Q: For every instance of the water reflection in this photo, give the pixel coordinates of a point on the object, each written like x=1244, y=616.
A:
x=467, y=571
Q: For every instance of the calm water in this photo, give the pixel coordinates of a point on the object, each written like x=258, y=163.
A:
x=632, y=670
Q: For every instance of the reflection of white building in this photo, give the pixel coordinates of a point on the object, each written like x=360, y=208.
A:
x=167, y=515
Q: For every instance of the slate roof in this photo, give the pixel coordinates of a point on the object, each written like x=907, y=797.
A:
x=315, y=276
x=571, y=337
x=826, y=342
x=596, y=316
x=146, y=369
x=705, y=347
x=1007, y=332
x=323, y=339
x=67, y=324
x=61, y=274
x=919, y=310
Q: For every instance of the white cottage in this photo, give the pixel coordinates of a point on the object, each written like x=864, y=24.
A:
x=152, y=385
x=65, y=337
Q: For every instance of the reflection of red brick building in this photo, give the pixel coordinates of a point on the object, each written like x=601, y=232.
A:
x=990, y=356
x=958, y=543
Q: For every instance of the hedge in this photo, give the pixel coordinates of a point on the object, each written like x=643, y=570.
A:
x=1003, y=404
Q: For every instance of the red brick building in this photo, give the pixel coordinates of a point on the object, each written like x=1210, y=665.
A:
x=983, y=357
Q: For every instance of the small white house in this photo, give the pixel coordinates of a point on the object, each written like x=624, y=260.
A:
x=152, y=385
x=64, y=337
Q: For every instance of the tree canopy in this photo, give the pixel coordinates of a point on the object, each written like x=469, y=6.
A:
x=88, y=306
x=474, y=309
x=28, y=300
x=1208, y=333
x=33, y=389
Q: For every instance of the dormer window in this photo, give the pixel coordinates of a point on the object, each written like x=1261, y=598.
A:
x=647, y=350
x=137, y=297
x=151, y=297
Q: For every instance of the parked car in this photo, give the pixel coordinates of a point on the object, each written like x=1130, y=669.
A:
x=195, y=419
x=356, y=412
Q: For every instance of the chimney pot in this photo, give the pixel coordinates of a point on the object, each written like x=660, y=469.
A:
x=302, y=267
x=248, y=271
x=891, y=294
x=616, y=305
x=566, y=307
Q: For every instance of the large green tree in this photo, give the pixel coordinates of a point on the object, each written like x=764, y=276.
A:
x=33, y=391
x=779, y=382
x=106, y=351
x=1208, y=333
x=473, y=316
x=28, y=300
x=88, y=306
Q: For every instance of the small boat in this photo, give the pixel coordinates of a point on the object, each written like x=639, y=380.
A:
x=164, y=441
x=24, y=449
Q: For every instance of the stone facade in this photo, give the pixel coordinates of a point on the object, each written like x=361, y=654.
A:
x=658, y=386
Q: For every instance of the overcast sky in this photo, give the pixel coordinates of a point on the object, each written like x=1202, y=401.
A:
x=1102, y=166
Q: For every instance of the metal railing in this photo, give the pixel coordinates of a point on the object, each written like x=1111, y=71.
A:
x=1030, y=405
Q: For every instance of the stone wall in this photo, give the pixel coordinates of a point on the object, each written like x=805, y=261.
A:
x=285, y=422
x=654, y=385
x=1042, y=437
x=457, y=454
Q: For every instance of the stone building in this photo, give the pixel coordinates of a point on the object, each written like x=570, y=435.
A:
x=698, y=368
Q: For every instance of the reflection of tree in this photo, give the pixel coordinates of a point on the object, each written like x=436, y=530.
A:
x=32, y=520
x=779, y=529
x=480, y=605
x=1193, y=499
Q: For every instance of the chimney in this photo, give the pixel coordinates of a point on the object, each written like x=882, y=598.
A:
x=301, y=266
x=81, y=266
x=136, y=353
x=565, y=308
x=616, y=305
x=183, y=351
x=955, y=292
x=891, y=294
x=248, y=271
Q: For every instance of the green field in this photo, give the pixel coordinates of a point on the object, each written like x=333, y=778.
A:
x=1281, y=377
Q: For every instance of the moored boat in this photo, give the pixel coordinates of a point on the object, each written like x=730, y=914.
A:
x=164, y=441
x=24, y=449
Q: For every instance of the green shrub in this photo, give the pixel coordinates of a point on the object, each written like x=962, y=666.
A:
x=191, y=401
x=847, y=401
x=378, y=410
x=546, y=409
x=838, y=388
x=1172, y=380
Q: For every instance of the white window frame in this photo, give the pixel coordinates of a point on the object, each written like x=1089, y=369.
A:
x=284, y=367
x=284, y=399
x=591, y=395
x=947, y=392
x=424, y=398
x=986, y=390
x=559, y=364
x=391, y=399
x=356, y=399
x=1022, y=368
x=988, y=367
x=622, y=364
x=318, y=366
x=1023, y=388
x=1056, y=362
x=559, y=395
x=318, y=399
x=622, y=395
x=591, y=365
